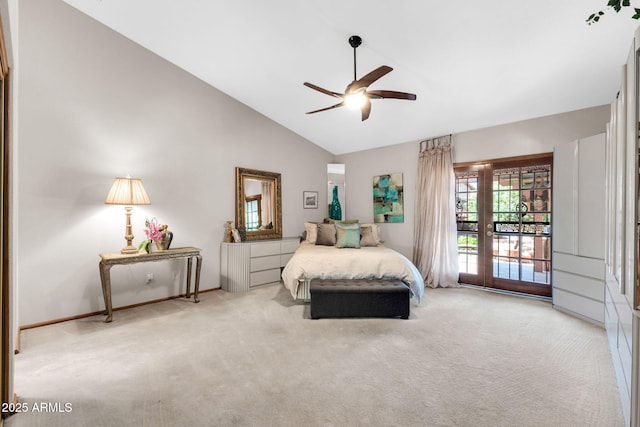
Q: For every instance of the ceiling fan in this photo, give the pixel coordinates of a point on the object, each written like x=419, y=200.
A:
x=356, y=93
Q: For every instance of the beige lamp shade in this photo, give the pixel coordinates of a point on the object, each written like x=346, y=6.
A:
x=127, y=191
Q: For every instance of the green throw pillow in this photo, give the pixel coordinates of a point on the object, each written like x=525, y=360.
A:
x=348, y=236
x=343, y=221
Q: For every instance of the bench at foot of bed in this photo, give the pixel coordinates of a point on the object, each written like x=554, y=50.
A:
x=359, y=298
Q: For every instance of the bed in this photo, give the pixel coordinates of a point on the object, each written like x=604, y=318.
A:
x=311, y=261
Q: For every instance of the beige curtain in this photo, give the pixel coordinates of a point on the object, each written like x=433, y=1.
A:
x=435, y=249
x=267, y=203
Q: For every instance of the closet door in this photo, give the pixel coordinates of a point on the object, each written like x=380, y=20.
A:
x=566, y=212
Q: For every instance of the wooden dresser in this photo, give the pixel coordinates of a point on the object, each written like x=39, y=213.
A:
x=247, y=264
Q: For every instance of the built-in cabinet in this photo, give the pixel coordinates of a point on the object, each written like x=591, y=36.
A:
x=596, y=239
x=248, y=264
x=621, y=246
x=579, y=227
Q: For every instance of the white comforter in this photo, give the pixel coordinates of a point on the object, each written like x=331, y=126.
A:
x=369, y=262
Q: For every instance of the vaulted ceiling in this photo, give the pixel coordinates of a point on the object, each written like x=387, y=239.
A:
x=472, y=64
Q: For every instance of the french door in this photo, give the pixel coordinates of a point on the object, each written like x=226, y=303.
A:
x=503, y=213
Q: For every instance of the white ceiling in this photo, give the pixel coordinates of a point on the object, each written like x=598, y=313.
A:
x=471, y=63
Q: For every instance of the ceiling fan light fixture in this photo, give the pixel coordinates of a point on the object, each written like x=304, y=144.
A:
x=355, y=100
x=356, y=94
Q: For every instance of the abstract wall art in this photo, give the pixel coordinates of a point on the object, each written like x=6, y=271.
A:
x=388, y=204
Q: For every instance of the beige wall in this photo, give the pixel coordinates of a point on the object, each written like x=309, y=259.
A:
x=530, y=136
x=526, y=137
x=92, y=106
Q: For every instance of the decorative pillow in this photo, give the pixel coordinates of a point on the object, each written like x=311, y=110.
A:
x=348, y=236
x=326, y=235
x=343, y=221
x=370, y=235
x=311, y=229
x=366, y=236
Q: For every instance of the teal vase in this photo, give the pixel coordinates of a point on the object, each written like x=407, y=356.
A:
x=335, y=211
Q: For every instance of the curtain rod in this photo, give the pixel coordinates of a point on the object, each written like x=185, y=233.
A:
x=428, y=143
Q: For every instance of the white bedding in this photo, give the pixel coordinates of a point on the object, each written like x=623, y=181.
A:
x=369, y=262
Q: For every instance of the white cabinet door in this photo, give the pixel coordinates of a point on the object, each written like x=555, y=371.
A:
x=591, y=197
x=565, y=186
x=579, y=227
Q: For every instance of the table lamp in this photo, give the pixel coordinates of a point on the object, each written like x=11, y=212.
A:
x=128, y=192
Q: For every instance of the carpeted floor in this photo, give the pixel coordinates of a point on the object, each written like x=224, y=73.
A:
x=465, y=357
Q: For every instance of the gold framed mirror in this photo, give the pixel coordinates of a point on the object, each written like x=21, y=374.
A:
x=258, y=204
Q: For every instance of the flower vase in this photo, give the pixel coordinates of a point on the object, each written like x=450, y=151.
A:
x=335, y=211
x=165, y=243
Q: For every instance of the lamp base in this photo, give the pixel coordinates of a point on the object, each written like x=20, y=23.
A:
x=129, y=250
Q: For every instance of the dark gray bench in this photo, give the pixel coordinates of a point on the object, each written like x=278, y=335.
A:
x=359, y=298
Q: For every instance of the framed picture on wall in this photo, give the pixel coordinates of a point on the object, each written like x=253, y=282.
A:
x=310, y=199
x=388, y=199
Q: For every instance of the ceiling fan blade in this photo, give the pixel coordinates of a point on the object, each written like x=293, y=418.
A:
x=327, y=108
x=366, y=109
x=325, y=91
x=376, y=94
x=371, y=77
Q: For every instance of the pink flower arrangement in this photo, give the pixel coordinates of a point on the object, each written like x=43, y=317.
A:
x=158, y=233
x=154, y=231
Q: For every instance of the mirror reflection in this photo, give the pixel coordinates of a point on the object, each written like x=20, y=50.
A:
x=258, y=204
x=336, y=190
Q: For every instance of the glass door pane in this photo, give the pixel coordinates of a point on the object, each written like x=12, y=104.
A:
x=467, y=219
x=521, y=228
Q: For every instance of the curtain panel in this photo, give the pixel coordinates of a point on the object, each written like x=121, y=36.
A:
x=435, y=248
x=267, y=203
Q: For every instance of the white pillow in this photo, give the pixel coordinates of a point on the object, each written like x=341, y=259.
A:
x=312, y=231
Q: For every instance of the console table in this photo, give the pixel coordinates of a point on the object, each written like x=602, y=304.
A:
x=108, y=260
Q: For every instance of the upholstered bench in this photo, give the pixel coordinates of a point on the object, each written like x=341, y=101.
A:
x=359, y=298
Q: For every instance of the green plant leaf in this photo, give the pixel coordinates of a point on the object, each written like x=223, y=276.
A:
x=616, y=5
x=145, y=244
